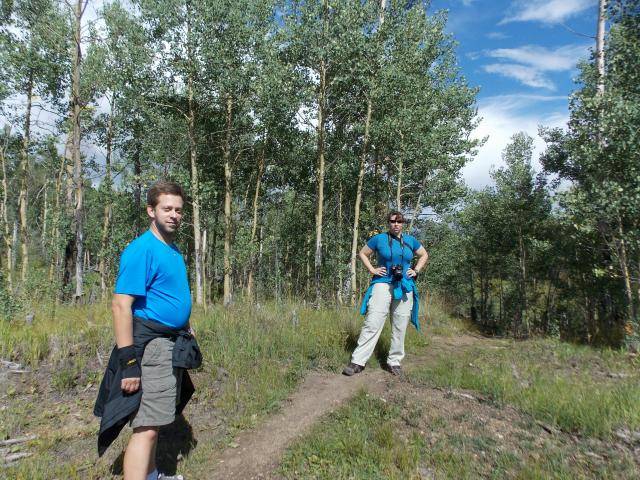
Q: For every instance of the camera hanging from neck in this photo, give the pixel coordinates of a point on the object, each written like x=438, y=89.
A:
x=391, y=236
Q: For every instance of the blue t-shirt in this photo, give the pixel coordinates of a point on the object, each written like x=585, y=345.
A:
x=156, y=275
x=395, y=255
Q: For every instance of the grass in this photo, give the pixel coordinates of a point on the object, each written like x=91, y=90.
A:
x=371, y=438
x=254, y=356
x=356, y=442
x=575, y=388
x=414, y=434
x=57, y=334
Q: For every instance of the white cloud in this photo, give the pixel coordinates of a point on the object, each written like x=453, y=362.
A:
x=532, y=61
x=546, y=11
x=504, y=115
x=527, y=75
x=497, y=35
x=543, y=59
x=474, y=55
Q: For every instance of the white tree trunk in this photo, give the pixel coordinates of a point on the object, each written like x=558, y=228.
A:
x=600, y=45
x=78, y=179
x=227, y=205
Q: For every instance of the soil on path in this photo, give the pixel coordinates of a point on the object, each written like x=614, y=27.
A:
x=450, y=421
x=255, y=454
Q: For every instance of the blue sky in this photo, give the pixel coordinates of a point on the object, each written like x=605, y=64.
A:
x=523, y=56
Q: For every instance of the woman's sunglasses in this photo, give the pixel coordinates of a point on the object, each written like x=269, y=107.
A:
x=396, y=221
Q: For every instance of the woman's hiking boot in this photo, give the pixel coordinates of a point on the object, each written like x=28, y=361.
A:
x=352, y=369
x=395, y=370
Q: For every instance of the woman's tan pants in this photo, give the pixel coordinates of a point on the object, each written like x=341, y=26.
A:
x=380, y=302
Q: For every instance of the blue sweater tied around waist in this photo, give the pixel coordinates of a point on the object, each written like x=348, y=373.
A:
x=400, y=288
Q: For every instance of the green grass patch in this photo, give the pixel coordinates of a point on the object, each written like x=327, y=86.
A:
x=57, y=334
x=254, y=357
x=358, y=441
x=388, y=439
x=262, y=353
x=575, y=388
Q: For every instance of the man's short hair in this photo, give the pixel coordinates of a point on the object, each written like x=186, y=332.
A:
x=163, y=187
x=395, y=213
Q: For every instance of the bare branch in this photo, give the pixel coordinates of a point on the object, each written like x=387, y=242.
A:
x=571, y=30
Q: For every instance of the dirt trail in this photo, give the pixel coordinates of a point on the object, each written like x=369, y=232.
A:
x=258, y=452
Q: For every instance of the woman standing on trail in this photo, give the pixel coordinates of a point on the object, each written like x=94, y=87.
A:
x=392, y=288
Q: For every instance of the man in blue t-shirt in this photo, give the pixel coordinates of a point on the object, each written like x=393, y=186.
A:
x=152, y=284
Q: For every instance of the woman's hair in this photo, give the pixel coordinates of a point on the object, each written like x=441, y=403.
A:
x=163, y=187
x=395, y=213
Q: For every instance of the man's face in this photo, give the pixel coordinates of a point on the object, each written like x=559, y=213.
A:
x=395, y=225
x=167, y=214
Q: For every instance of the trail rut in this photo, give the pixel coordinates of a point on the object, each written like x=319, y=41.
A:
x=257, y=452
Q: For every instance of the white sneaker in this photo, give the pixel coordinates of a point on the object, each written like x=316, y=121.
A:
x=162, y=476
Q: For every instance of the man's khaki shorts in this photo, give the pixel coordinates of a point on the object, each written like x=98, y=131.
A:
x=160, y=385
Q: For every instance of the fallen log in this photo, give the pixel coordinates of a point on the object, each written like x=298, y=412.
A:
x=15, y=441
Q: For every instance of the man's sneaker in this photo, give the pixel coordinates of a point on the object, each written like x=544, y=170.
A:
x=352, y=369
x=162, y=476
x=395, y=370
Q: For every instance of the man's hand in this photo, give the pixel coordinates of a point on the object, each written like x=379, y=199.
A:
x=130, y=385
x=130, y=367
x=380, y=271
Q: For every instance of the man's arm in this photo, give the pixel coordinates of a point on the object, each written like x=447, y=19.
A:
x=123, y=327
x=122, y=319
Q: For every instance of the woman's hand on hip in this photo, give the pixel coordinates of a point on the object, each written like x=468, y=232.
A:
x=411, y=273
x=380, y=271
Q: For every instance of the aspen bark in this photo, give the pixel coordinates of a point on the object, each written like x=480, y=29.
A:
x=254, y=226
x=399, y=186
x=203, y=267
x=321, y=163
x=55, y=233
x=78, y=179
x=137, y=184
x=195, y=188
x=602, y=8
x=523, y=280
x=623, y=260
x=416, y=213
x=4, y=212
x=356, y=213
x=108, y=209
x=339, y=290
x=226, y=296
x=45, y=218
x=23, y=199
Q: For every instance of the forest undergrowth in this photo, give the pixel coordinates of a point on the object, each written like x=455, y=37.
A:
x=255, y=356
